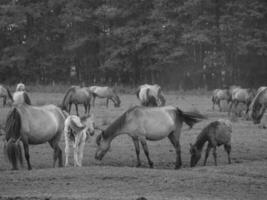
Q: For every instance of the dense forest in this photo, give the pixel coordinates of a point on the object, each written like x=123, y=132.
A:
x=176, y=43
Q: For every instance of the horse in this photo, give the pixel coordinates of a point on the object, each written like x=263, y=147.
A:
x=20, y=97
x=259, y=105
x=241, y=95
x=147, y=93
x=77, y=131
x=218, y=95
x=33, y=125
x=148, y=123
x=76, y=95
x=5, y=93
x=20, y=87
x=105, y=92
x=216, y=133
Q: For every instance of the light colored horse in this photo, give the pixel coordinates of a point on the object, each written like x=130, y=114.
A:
x=5, y=94
x=216, y=133
x=33, y=125
x=218, y=95
x=105, y=92
x=259, y=105
x=241, y=95
x=21, y=97
x=148, y=123
x=20, y=87
x=77, y=95
x=77, y=131
x=150, y=95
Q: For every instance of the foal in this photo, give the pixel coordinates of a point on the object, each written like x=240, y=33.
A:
x=216, y=133
x=77, y=131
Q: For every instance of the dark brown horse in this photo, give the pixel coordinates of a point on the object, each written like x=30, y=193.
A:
x=77, y=95
x=216, y=133
x=148, y=123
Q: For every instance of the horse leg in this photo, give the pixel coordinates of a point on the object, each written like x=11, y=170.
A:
x=27, y=155
x=227, y=148
x=70, y=104
x=230, y=108
x=57, y=152
x=85, y=108
x=219, y=105
x=76, y=107
x=107, y=102
x=145, y=148
x=176, y=144
x=81, y=149
x=207, y=154
x=67, y=149
x=137, y=150
x=215, y=155
x=4, y=101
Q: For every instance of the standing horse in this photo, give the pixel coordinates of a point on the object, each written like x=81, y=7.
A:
x=218, y=95
x=105, y=92
x=77, y=131
x=216, y=133
x=20, y=97
x=241, y=95
x=20, y=87
x=77, y=95
x=147, y=94
x=148, y=123
x=5, y=93
x=259, y=106
x=33, y=125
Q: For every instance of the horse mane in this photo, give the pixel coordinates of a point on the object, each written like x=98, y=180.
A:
x=27, y=99
x=9, y=94
x=117, y=124
x=67, y=96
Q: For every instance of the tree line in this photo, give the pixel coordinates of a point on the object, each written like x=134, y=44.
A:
x=185, y=43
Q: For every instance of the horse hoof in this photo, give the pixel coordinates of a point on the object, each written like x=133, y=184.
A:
x=151, y=165
x=177, y=167
x=138, y=165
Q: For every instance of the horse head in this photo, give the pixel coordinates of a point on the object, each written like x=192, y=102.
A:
x=102, y=146
x=195, y=155
x=258, y=110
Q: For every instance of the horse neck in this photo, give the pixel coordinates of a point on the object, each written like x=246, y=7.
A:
x=201, y=139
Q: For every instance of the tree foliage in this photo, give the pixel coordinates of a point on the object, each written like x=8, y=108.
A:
x=133, y=41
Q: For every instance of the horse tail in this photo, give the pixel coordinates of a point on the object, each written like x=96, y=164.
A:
x=12, y=148
x=190, y=118
x=9, y=94
x=27, y=99
x=66, y=99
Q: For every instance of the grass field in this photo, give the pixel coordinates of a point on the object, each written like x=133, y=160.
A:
x=115, y=177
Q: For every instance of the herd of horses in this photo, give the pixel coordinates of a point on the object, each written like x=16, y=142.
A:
x=27, y=124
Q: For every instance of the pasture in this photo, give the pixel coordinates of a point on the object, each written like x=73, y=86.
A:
x=116, y=176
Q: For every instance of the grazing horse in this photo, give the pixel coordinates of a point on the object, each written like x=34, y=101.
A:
x=216, y=133
x=33, y=125
x=241, y=95
x=77, y=131
x=105, y=92
x=259, y=105
x=20, y=87
x=76, y=95
x=21, y=97
x=218, y=95
x=148, y=123
x=147, y=94
x=5, y=93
